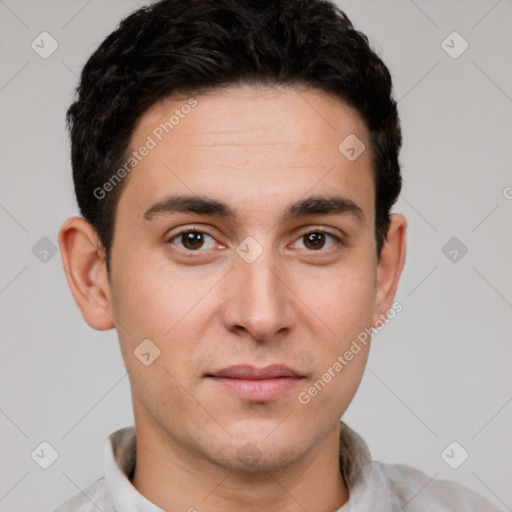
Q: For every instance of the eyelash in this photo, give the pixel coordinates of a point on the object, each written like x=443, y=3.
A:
x=338, y=241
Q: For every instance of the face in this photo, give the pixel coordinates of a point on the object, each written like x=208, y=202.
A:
x=253, y=299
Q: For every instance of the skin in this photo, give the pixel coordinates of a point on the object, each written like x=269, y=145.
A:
x=258, y=149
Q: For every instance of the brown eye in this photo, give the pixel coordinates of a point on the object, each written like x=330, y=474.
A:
x=191, y=240
x=316, y=240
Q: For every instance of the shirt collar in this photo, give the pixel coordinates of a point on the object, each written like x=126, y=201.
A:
x=119, y=460
x=120, y=457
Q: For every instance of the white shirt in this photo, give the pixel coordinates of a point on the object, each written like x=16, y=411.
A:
x=373, y=486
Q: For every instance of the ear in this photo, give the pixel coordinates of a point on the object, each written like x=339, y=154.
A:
x=83, y=261
x=390, y=265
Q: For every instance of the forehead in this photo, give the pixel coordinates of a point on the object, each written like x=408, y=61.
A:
x=248, y=142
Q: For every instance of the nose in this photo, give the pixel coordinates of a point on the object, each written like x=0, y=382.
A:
x=258, y=298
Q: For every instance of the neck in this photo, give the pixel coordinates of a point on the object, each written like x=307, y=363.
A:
x=173, y=478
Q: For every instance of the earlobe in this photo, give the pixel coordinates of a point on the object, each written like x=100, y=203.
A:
x=84, y=267
x=390, y=265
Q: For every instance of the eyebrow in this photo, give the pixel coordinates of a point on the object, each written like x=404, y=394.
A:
x=202, y=205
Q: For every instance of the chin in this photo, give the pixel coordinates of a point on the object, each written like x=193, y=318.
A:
x=259, y=445
x=258, y=458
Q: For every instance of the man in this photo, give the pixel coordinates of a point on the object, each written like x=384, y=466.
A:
x=235, y=163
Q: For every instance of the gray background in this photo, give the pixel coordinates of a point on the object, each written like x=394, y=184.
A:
x=439, y=372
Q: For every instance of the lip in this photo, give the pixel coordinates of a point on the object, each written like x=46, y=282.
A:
x=257, y=384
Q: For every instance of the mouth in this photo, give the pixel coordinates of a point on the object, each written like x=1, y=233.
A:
x=257, y=384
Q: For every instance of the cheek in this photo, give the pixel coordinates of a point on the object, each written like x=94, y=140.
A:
x=341, y=298
x=329, y=393
x=139, y=303
x=165, y=305
x=345, y=307
x=155, y=305
x=151, y=298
